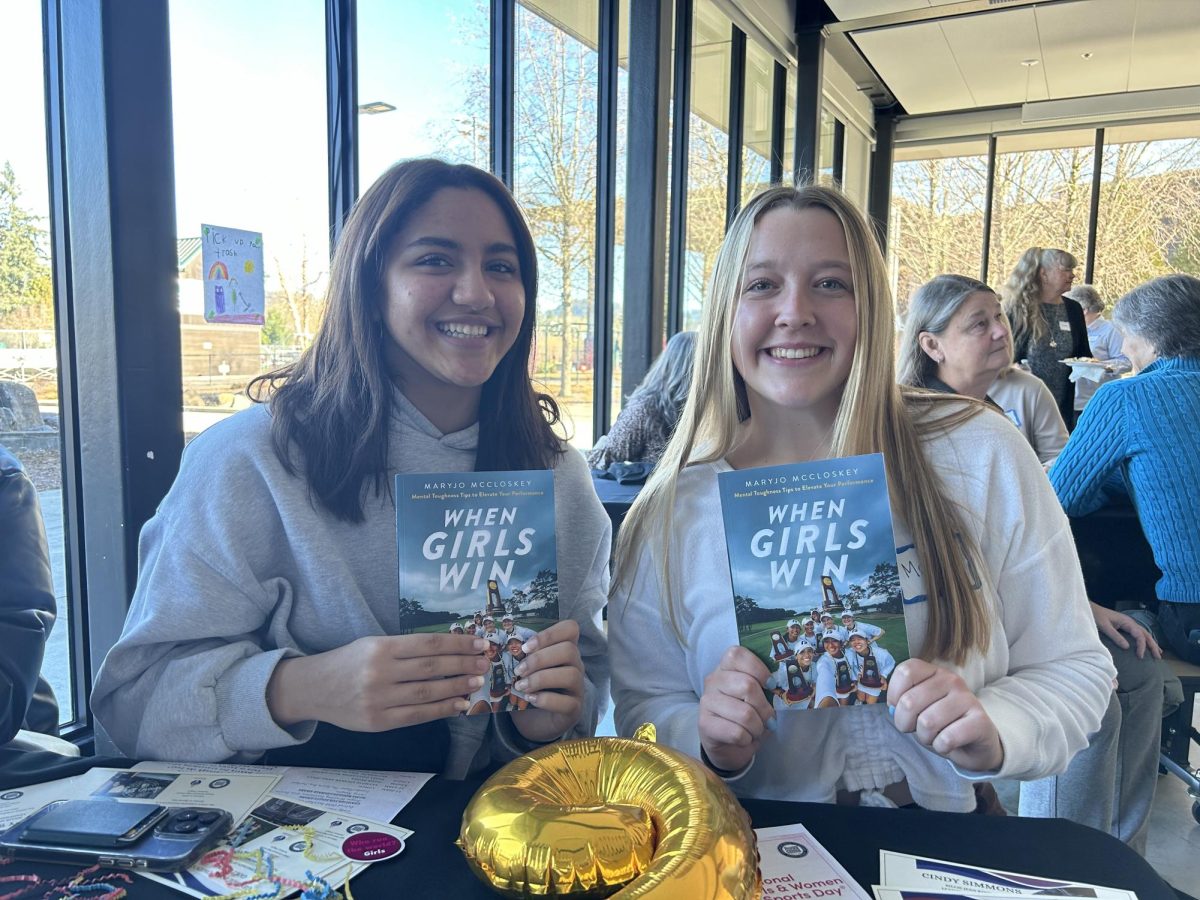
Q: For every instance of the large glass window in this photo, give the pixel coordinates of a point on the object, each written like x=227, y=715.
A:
x=1042, y=196
x=555, y=183
x=618, y=274
x=423, y=82
x=29, y=373
x=936, y=220
x=250, y=154
x=1149, y=222
x=708, y=154
x=756, y=120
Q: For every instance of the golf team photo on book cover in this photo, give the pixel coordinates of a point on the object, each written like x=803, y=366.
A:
x=478, y=556
x=816, y=586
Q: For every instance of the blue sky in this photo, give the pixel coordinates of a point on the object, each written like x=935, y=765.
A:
x=745, y=517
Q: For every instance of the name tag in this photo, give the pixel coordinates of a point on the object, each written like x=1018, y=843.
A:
x=1064, y=326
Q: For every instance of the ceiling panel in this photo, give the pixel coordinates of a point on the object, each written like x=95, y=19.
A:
x=989, y=50
x=865, y=9
x=1166, y=45
x=1099, y=27
x=917, y=65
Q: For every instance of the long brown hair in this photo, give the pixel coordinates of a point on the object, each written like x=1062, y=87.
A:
x=875, y=415
x=330, y=408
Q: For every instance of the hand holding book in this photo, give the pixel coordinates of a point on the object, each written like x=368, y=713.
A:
x=936, y=706
x=551, y=676
x=734, y=711
x=379, y=683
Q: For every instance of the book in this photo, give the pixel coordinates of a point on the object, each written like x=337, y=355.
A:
x=816, y=584
x=794, y=866
x=478, y=556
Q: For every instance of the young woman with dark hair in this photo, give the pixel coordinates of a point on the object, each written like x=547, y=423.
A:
x=266, y=612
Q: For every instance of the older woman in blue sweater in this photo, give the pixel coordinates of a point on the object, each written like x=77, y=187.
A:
x=1140, y=435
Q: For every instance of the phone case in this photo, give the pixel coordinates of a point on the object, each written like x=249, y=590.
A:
x=177, y=840
x=93, y=823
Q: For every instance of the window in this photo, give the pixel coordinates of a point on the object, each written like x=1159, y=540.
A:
x=250, y=154
x=756, y=120
x=555, y=183
x=1042, y=196
x=936, y=219
x=423, y=83
x=708, y=154
x=618, y=279
x=28, y=355
x=1149, y=206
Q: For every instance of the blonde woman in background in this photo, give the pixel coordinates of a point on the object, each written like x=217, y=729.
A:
x=795, y=362
x=1047, y=327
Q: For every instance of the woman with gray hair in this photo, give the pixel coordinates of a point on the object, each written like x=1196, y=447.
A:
x=1047, y=328
x=1105, y=341
x=1138, y=436
x=956, y=340
x=644, y=425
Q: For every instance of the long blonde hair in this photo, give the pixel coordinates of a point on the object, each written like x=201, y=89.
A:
x=875, y=415
x=1022, y=293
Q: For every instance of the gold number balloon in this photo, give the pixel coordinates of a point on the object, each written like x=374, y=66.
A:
x=610, y=816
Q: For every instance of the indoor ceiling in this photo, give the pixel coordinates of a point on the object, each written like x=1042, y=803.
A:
x=947, y=55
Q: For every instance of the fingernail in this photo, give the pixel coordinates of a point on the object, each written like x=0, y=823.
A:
x=462, y=705
x=479, y=644
x=520, y=669
x=521, y=685
x=532, y=698
x=529, y=646
x=891, y=711
x=772, y=724
x=476, y=681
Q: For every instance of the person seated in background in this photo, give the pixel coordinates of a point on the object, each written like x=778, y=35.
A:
x=1104, y=339
x=956, y=340
x=1047, y=327
x=28, y=709
x=265, y=617
x=645, y=422
x=1138, y=438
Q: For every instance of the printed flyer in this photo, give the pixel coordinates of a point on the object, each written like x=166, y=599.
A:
x=938, y=876
x=817, y=591
x=478, y=556
x=795, y=866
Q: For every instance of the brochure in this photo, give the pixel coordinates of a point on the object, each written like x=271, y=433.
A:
x=235, y=793
x=816, y=584
x=364, y=793
x=795, y=866
x=924, y=875
x=477, y=556
x=284, y=845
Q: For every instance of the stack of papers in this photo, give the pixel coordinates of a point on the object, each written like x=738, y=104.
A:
x=795, y=866
x=291, y=824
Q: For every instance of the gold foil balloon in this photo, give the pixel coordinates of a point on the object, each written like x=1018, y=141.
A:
x=610, y=816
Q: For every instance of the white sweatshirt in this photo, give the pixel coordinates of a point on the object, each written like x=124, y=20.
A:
x=1045, y=680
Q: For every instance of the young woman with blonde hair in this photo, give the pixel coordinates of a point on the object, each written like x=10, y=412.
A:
x=795, y=362
x=1047, y=327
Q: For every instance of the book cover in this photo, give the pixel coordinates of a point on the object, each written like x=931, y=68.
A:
x=816, y=584
x=478, y=556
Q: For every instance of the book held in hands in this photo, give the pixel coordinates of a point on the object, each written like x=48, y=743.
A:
x=478, y=557
x=816, y=585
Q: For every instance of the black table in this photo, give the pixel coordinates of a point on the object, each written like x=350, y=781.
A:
x=616, y=498
x=432, y=866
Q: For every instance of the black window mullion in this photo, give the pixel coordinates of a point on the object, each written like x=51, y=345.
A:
x=341, y=94
x=503, y=87
x=988, y=200
x=1089, y=268
x=778, y=121
x=839, y=150
x=606, y=214
x=682, y=103
x=737, y=108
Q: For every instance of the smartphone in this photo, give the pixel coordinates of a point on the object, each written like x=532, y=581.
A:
x=122, y=835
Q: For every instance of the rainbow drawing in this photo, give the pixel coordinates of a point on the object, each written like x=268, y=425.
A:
x=218, y=270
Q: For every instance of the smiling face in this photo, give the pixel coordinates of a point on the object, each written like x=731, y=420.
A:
x=1056, y=280
x=793, y=632
x=453, y=297
x=795, y=327
x=858, y=644
x=975, y=345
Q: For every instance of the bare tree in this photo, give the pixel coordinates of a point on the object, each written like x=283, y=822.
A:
x=304, y=308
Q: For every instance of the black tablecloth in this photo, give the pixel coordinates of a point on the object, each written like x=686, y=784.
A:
x=432, y=866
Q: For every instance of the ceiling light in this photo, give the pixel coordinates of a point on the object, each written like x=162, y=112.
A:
x=1027, y=63
x=1086, y=55
x=375, y=107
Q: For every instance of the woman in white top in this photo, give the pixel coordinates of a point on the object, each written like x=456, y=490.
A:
x=795, y=362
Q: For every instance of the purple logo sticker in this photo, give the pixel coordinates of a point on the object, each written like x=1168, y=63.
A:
x=371, y=846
